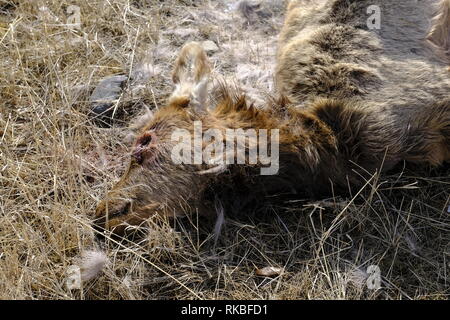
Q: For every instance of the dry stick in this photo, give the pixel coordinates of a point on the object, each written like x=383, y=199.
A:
x=139, y=255
x=129, y=73
x=327, y=233
x=6, y=128
x=335, y=220
x=11, y=26
x=154, y=100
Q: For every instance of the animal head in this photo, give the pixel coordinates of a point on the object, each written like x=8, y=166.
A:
x=164, y=177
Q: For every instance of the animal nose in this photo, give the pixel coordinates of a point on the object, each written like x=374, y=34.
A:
x=122, y=210
x=107, y=211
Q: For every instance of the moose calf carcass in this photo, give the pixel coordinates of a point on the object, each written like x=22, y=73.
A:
x=353, y=101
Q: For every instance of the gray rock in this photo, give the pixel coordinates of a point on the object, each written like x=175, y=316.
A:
x=209, y=46
x=104, y=97
x=108, y=89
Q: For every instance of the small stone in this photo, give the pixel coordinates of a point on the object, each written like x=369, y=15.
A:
x=73, y=279
x=269, y=271
x=104, y=97
x=209, y=46
x=108, y=89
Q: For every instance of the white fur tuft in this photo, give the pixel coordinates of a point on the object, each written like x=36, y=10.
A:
x=92, y=263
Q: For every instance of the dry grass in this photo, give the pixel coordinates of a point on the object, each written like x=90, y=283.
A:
x=55, y=164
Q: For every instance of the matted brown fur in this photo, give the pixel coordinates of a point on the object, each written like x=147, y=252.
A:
x=352, y=105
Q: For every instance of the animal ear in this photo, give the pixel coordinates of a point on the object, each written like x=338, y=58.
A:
x=191, y=77
x=439, y=34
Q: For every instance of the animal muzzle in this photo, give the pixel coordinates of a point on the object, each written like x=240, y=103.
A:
x=112, y=216
x=122, y=218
